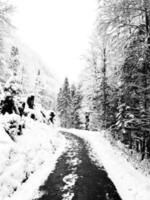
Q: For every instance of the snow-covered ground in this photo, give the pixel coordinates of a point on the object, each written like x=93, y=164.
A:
x=26, y=163
x=130, y=183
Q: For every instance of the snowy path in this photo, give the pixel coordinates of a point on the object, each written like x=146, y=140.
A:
x=131, y=184
x=77, y=177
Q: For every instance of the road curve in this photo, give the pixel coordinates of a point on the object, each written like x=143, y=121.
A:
x=77, y=177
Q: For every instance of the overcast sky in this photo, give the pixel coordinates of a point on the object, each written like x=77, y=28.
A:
x=58, y=30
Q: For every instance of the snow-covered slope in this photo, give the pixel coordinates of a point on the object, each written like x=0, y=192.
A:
x=130, y=183
x=31, y=63
x=26, y=163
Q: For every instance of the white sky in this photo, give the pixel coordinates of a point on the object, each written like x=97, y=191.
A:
x=58, y=30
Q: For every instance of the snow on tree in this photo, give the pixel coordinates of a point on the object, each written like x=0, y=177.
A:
x=95, y=85
x=115, y=82
x=5, y=27
x=64, y=105
x=69, y=101
x=12, y=108
x=76, y=100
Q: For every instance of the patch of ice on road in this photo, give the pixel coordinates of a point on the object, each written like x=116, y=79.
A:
x=74, y=162
x=68, y=196
x=71, y=154
x=69, y=181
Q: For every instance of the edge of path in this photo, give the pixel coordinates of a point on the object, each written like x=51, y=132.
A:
x=130, y=183
x=29, y=189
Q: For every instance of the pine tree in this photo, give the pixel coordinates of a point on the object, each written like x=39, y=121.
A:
x=104, y=97
x=76, y=99
x=134, y=93
x=60, y=106
x=126, y=24
x=64, y=105
x=14, y=61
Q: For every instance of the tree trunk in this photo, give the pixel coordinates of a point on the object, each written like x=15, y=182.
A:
x=104, y=86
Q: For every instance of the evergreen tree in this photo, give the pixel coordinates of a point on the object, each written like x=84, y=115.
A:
x=126, y=24
x=14, y=61
x=59, y=106
x=101, y=114
x=76, y=99
x=64, y=105
x=134, y=94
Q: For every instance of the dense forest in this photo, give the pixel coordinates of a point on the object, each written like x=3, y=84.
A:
x=114, y=88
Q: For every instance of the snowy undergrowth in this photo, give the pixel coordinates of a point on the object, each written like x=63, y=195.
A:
x=131, y=155
x=130, y=183
x=26, y=163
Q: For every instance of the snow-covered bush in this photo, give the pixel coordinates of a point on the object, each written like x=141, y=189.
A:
x=35, y=148
x=13, y=125
x=11, y=107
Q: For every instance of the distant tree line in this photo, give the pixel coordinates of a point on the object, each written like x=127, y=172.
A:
x=69, y=105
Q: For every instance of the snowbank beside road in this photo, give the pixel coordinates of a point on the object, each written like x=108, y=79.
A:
x=130, y=183
x=27, y=162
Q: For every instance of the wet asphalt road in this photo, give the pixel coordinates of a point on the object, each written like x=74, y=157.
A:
x=76, y=177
